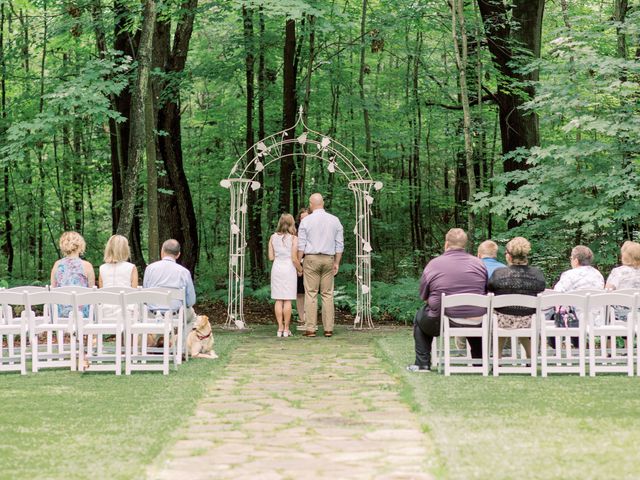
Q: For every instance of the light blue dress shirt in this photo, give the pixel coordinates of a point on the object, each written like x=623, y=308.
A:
x=320, y=233
x=167, y=273
x=492, y=265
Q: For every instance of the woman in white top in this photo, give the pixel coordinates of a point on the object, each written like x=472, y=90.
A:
x=626, y=276
x=116, y=271
x=283, y=249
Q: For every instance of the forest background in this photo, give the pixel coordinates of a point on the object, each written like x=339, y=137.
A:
x=503, y=117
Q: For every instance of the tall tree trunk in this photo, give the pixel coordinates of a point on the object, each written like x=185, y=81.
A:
x=153, y=240
x=137, y=134
x=177, y=216
x=287, y=164
x=518, y=129
x=365, y=109
x=40, y=220
x=461, y=51
x=7, y=246
x=254, y=242
x=126, y=43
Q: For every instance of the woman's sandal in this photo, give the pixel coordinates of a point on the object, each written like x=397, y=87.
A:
x=280, y=333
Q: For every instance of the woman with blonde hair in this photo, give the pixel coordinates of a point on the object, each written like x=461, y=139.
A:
x=517, y=278
x=283, y=252
x=71, y=270
x=626, y=275
x=116, y=271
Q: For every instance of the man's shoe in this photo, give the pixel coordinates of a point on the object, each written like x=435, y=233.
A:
x=309, y=333
x=328, y=333
x=418, y=369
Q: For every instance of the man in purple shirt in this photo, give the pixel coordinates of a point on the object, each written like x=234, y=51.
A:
x=453, y=272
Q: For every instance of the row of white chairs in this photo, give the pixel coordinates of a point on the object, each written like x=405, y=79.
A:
x=78, y=341
x=596, y=320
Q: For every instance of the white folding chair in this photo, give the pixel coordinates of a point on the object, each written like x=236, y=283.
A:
x=99, y=327
x=63, y=355
x=548, y=329
x=137, y=355
x=179, y=347
x=611, y=361
x=464, y=364
x=13, y=359
x=507, y=365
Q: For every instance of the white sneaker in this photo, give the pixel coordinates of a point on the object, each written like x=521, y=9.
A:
x=285, y=333
x=280, y=333
x=418, y=369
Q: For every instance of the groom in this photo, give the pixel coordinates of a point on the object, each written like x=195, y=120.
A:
x=320, y=242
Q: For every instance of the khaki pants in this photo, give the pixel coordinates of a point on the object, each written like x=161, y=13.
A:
x=318, y=277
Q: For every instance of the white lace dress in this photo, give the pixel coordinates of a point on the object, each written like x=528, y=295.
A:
x=284, y=279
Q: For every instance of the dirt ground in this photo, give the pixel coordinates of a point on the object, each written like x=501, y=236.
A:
x=255, y=312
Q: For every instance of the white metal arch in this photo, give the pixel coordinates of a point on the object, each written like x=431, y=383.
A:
x=339, y=160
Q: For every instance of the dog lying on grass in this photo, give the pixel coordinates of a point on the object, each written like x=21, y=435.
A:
x=200, y=339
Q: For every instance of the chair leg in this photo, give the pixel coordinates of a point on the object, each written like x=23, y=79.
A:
x=592, y=355
x=118, y=353
x=447, y=354
x=23, y=352
x=534, y=353
x=34, y=352
x=81, y=350
x=165, y=352
x=127, y=353
x=496, y=359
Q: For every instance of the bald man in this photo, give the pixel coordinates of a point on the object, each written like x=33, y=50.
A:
x=167, y=273
x=321, y=243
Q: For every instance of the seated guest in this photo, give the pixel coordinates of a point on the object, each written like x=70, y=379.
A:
x=116, y=271
x=518, y=279
x=453, y=272
x=488, y=253
x=71, y=270
x=627, y=275
x=582, y=276
x=167, y=273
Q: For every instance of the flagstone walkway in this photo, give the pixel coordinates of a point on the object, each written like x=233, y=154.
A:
x=300, y=408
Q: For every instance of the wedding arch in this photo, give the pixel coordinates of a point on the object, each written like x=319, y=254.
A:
x=340, y=160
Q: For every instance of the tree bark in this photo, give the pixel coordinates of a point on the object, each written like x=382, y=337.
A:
x=461, y=55
x=127, y=43
x=137, y=134
x=7, y=247
x=287, y=164
x=177, y=216
x=365, y=110
x=518, y=129
x=254, y=242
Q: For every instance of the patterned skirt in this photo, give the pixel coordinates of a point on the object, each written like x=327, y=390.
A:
x=513, y=321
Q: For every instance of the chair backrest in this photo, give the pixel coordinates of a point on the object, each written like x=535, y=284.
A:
x=174, y=293
x=28, y=289
x=464, y=300
x=118, y=289
x=612, y=298
x=147, y=296
x=8, y=300
x=99, y=297
x=514, y=300
x=627, y=291
x=50, y=300
x=73, y=289
x=556, y=299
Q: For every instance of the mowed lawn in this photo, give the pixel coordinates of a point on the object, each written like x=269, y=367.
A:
x=62, y=424
x=512, y=427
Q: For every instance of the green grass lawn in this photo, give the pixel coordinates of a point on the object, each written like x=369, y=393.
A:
x=522, y=427
x=62, y=424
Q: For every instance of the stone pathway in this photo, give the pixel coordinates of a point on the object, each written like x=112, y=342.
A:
x=300, y=408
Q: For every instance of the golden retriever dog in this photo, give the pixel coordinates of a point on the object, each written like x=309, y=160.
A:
x=200, y=339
